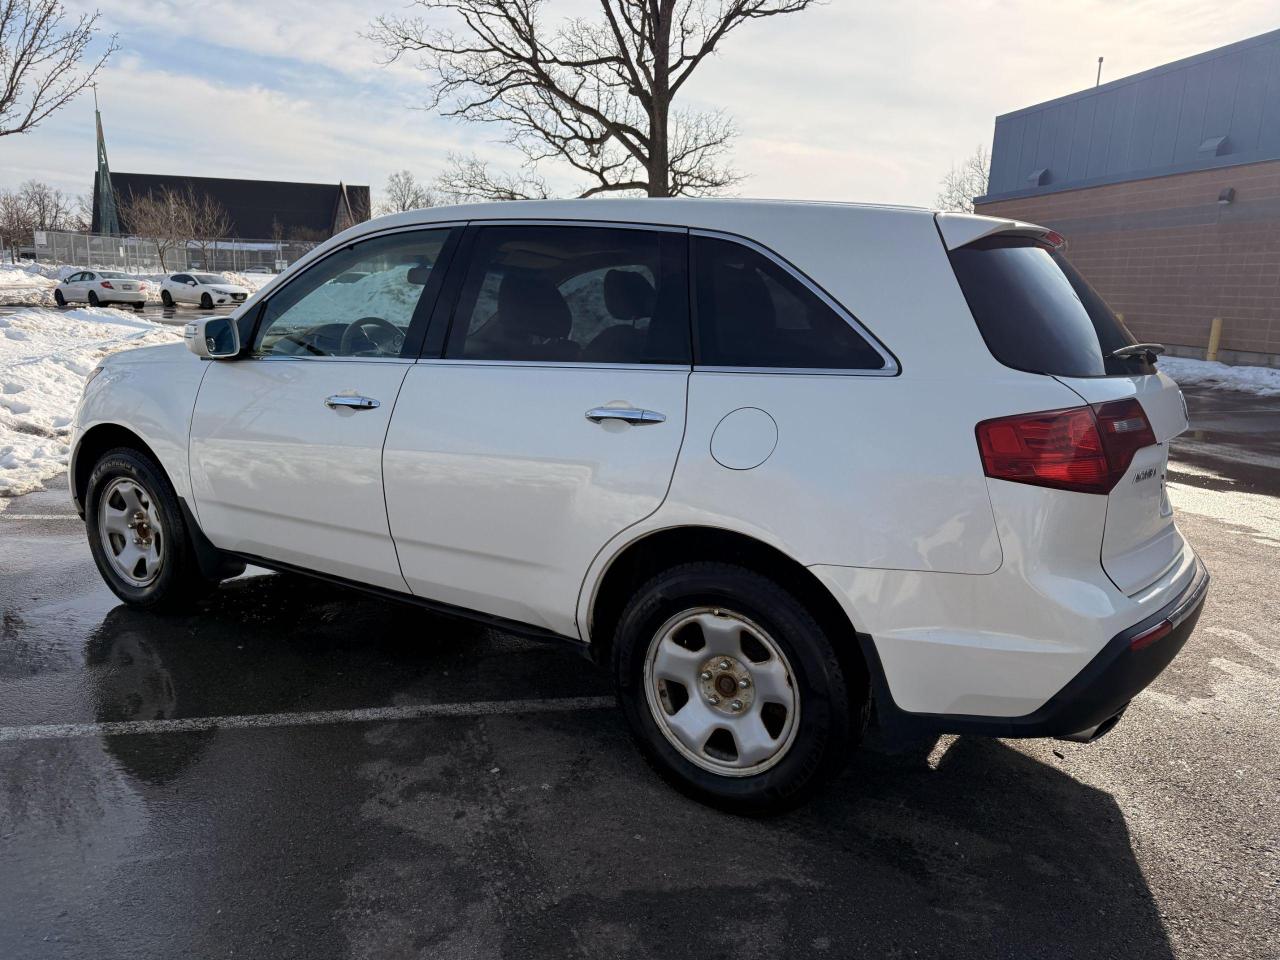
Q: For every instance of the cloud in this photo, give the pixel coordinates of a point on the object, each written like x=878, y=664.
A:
x=845, y=101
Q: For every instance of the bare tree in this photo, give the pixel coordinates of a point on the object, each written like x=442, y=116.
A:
x=404, y=192
x=596, y=94
x=469, y=178
x=47, y=208
x=162, y=216
x=964, y=181
x=209, y=222
x=43, y=64
x=15, y=222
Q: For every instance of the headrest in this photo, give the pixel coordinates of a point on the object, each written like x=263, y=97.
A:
x=530, y=305
x=628, y=295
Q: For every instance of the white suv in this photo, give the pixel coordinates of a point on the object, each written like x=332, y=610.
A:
x=773, y=464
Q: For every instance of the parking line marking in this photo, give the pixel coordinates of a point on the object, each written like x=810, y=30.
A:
x=5, y=515
x=251, y=721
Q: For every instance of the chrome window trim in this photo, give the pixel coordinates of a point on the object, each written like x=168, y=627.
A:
x=891, y=367
x=277, y=357
x=802, y=371
x=556, y=364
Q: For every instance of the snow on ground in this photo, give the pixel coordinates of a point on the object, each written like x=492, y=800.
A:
x=1263, y=381
x=30, y=284
x=44, y=357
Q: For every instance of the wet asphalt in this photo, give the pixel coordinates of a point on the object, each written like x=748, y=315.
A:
x=539, y=832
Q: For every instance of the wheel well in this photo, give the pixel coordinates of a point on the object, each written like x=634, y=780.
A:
x=659, y=551
x=97, y=441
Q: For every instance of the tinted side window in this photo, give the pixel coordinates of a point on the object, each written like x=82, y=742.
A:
x=1036, y=313
x=754, y=313
x=574, y=294
x=357, y=302
x=180, y=278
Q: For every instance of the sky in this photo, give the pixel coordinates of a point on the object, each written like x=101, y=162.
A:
x=850, y=100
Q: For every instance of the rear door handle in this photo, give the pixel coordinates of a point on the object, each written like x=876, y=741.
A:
x=353, y=403
x=627, y=414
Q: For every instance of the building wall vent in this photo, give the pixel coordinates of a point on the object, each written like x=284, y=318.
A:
x=1214, y=147
x=1039, y=178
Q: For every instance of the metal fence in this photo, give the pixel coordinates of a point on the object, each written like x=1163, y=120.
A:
x=137, y=255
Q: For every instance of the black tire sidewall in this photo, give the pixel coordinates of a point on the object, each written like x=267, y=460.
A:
x=206, y=302
x=94, y=301
x=59, y=299
x=166, y=298
x=823, y=739
x=177, y=573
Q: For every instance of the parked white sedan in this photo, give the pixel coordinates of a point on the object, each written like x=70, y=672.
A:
x=101, y=287
x=771, y=464
x=206, y=289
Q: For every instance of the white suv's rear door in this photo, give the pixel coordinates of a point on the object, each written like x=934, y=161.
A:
x=553, y=422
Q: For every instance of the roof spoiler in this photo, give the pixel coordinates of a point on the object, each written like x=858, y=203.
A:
x=961, y=229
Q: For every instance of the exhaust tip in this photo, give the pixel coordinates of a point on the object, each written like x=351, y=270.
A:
x=1090, y=734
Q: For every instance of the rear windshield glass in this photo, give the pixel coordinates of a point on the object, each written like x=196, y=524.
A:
x=1037, y=313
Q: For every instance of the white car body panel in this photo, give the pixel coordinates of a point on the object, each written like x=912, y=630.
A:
x=495, y=476
x=278, y=474
x=981, y=597
x=151, y=391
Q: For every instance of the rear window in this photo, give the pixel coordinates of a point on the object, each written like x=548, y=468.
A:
x=1037, y=313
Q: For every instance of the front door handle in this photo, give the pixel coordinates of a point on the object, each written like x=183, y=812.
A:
x=350, y=402
x=627, y=414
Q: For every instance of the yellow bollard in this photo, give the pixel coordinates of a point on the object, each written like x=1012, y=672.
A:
x=1215, y=336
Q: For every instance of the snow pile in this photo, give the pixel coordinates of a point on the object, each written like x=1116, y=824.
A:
x=1263, y=381
x=44, y=357
x=27, y=284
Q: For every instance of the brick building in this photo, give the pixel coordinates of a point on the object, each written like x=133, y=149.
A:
x=1166, y=185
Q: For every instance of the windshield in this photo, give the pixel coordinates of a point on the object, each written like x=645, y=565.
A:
x=209, y=278
x=1037, y=313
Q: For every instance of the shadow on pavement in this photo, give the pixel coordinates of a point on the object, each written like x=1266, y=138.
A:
x=976, y=850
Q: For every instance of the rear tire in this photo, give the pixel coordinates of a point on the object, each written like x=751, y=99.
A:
x=774, y=715
x=59, y=299
x=93, y=300
x=206, y=302
x=140, y=306
x=138, y=536
x=166, y=298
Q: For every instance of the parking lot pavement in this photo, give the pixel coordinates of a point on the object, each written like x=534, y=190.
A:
x=305, y=771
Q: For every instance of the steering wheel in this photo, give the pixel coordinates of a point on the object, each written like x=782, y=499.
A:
x=357, y=329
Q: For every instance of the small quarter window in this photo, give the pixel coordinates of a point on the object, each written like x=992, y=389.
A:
x=752, y=312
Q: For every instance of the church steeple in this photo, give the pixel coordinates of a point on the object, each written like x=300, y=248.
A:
x=106, y=216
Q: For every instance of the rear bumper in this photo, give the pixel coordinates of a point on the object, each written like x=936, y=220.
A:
x=1090, y=703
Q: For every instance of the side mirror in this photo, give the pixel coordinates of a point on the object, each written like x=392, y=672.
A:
x=213, y=338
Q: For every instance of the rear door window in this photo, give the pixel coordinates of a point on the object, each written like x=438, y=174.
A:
x=1037, y=313
x=574, y=294
x=753, y=312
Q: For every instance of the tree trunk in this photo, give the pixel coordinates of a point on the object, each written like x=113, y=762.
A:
x=659, y=112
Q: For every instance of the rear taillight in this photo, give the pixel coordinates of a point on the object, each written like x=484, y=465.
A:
x=107, y=284
x=1086, y=449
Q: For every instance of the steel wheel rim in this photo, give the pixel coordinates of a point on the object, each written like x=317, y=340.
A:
x=760, y=718
x=130, y=531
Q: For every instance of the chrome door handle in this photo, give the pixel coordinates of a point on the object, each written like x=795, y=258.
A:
x=353, y=403
x=627, y=414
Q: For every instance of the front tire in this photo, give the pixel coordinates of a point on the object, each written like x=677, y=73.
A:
x=137, y=534
x=166, y=298
x=206, y=302
x=732, y=689
x=59, y=299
